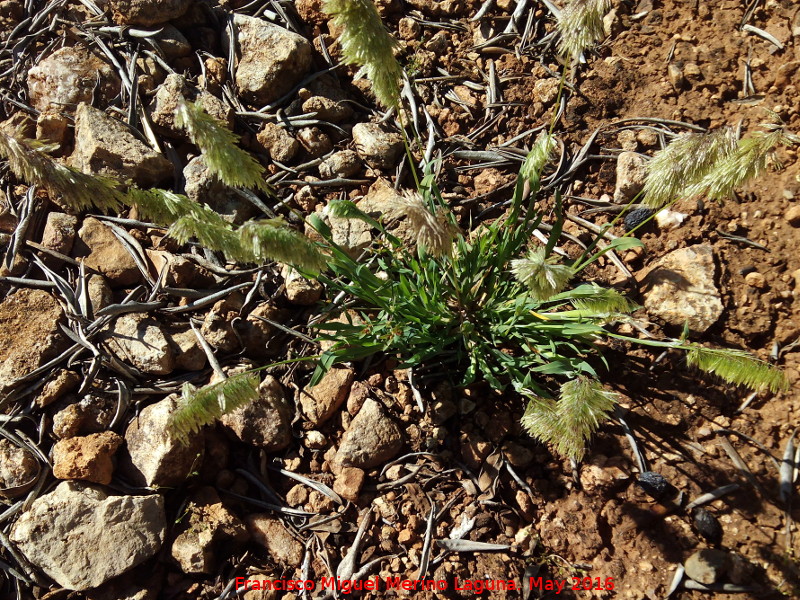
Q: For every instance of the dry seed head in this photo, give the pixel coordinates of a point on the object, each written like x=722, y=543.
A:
x=434, y=231
x=536, y=160
x=673, y=171
x=581, y=26
x=366, y=42
x=543, y=276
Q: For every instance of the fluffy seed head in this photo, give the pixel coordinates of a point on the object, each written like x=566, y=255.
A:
x=366, y=42
x=434, y=231
x=581, y=26
x=536, y=160
x=543, y=276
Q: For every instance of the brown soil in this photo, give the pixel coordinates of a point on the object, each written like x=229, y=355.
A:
x=600, y=525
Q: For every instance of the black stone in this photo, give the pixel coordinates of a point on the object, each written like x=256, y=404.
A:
x=655, y=485
x=707, y=525
x=636, y=217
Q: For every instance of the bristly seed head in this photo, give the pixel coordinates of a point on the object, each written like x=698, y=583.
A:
x=581, y=26
x=434, y=231
x=543, y=276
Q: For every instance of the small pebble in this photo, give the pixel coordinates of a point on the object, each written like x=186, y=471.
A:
x=793, y=216
x=756, y=280
x=654, y=484
x=636, y=217
x=707, y=525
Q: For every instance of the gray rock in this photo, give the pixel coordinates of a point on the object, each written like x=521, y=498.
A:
x=315, y=141
x=680, y=287
x=59, y=232
x=271, y=533
x=328, y=109
x=138, y=340
x=321, y=401
x=63, y=383
x=272, y=60
x=147, y=12
x=280, y=146
x=204, y=187
x=19, y=469
x=631, y=175
x=155, y=458
x=371, y=439
x=64, y=530
x=340, y=164
x=92, y=414
x=29, y=333
x=99, y=292
x=89, y=458
x=299, y=290
x=265, y=422
x=189, y=356
x=69, y=76
x=105, y=146
x=378, y=147
x=172, y=42
x=212, y=530
x=706, y=566
x=162, y=108
x=105, y=253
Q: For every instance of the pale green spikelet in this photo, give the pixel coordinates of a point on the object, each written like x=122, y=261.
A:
x=230, y=164
x=737, y=367
x=604, y=301
x=200, y=407
x=273, y=239
x=365, y=42
x=569, y=423
x=434, y=232
x=28, y=160
x=581, y=26
x=749, y=159
x=536, y=160
x=543, y=276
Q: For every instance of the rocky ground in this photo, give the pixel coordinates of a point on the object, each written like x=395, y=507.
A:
x=371, y=472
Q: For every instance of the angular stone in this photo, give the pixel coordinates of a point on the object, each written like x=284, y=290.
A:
x=29, y=333
x=18, y=469
x=680, y=287
x=706, y=566
x=204, y=187
x=213, y=532
x=270, y=533
x=272, y=60
x=59, y=232
x=321, y=401
x=154, y=457
x=378, y=147
x=299, y=290
x=92, y=414
x=265, y=422
x=147, y=12
x=174, y=89
x=63, y=383
x=64, y=530
x=631, y=175
x=172, y=42
x=69, y=76
x=106, y=253
x=349, y=482
x=340, y=164
x=281, y=146
x=189, y=356
x=372, y=439
x=328, y=109
x=88, y=458
x=217, y=328
x=105, y=146
x=138, y=340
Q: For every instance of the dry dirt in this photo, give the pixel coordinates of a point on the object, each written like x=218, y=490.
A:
x=602, y=525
